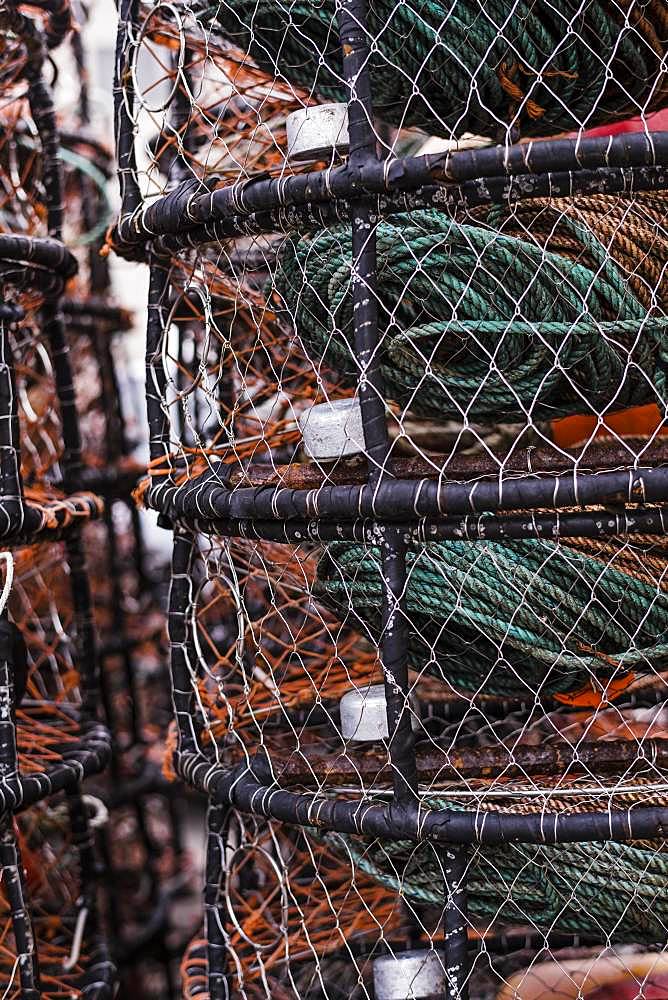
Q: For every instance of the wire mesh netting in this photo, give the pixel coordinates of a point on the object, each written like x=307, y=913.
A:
x=406, y=389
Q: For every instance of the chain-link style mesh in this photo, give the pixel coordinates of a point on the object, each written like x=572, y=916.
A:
x=406, y=389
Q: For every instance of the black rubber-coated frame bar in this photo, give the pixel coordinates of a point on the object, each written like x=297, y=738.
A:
x=207, y=498
x=180, y=608
x=362, y=141
x=44, y=252
x=455, y=923
x=195, y=206
x=609, y=523
x=394, y=640
x=90, y=756
x=12, y=509
x=241, y=787
x=467, y=195
x=126, y=161
x=394, y=661
x=156, y=378
x=11, y=870
x=215, y=916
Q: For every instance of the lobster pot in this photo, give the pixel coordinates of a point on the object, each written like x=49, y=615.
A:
x=78, y=429
x=406, y=397
x=52, y=737
x=50, y=654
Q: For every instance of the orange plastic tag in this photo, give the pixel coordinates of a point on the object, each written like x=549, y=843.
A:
x=589, y=696
x=637, y=421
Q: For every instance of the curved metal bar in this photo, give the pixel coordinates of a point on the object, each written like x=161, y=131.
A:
x=206, y=498
x=249, y=789
x=194, y=205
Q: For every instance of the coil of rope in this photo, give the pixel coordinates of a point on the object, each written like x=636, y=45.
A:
x=614, y=891
x=471, y=67
x=515, y=619
x=479, y=325
x=633, y=229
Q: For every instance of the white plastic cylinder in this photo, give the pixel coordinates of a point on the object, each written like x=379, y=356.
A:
x=363, y=714
x=333, y=429
x=409, y=975
x=314, y=132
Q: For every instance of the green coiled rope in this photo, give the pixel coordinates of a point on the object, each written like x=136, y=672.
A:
x=475, y=325
x=468, y=67
x=512, y=619
x=612, y=890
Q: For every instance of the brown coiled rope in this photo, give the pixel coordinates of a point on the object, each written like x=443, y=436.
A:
x=634, y=230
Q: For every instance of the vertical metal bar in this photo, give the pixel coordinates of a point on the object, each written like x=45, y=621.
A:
x=8, y=751
x=394, y=646
x=156, y=377
x=455, y=923
x=354, y=42
x=53, y=327
x=43, y=113
x=124, y=102
x=394, y=654
x=219, y=986
x=11, y=868
x=182, y=654
x=11, y=485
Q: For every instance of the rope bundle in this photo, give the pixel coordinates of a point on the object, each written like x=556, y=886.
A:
x=512, y=619
x=478, y=324
x=540, y=66
x=634, y=231
x=612, y=890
